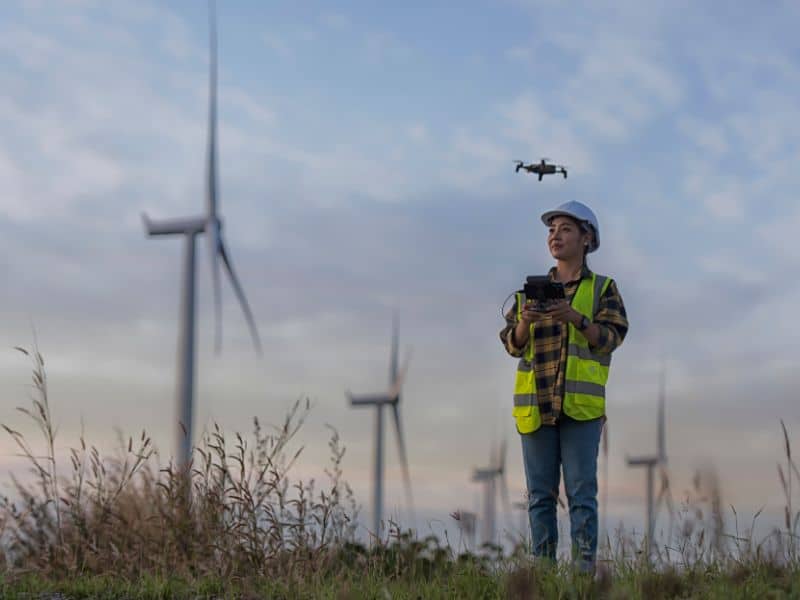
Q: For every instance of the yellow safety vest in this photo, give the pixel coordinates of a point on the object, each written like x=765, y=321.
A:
x=587, y=372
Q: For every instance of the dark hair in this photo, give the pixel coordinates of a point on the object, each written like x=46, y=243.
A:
x=585, y=228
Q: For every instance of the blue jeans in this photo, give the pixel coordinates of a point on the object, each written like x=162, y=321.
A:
x=572, y=445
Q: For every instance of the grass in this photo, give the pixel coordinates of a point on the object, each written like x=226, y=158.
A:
x=462, y=581
x=123, y=526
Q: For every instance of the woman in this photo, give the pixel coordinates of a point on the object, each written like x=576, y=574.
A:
x=559, y=393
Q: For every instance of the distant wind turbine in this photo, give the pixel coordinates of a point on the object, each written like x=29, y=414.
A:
x=466, y=520
x=389, y=398
x=652, y=462
x=190, y=227
x=488, y=476
x=523, y=509
x=604, y=499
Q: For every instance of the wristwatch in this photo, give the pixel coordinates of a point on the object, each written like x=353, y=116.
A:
x=584, y=324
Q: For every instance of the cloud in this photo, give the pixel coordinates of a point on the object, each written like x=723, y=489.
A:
x=614, y=75
x=778, y=235
x=724, y=205
x=336, y=20
x=277, y=44
x=711, y=139
x=286, y=42
x=418, y=132
x=626, y=86
x=533, y=128
x=384, y=47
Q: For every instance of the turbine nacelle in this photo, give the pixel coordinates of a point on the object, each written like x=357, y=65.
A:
x=370, y=400
x=484, y=474
x=642, y=461
x=180, y=226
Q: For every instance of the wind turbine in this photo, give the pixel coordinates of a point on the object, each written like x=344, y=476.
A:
x=659, y=460
x=466, y=525
x=523, y=509
x=190, y=227
x=604, y=499
x=488, y=476
x=389, y=398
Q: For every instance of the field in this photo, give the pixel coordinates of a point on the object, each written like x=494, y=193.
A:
x=121, y=527
x=462, y=581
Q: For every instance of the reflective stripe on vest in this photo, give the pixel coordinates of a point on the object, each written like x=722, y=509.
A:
x=586, y=372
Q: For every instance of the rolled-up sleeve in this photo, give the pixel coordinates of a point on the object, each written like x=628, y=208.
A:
x=612, y=320
x=507, y=334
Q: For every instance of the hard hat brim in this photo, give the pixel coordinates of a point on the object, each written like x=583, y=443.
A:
x=552, y=214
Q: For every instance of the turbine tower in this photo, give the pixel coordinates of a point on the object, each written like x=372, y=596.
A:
x=523, y=509
x=488, y=476
x=389, y=398
x=604, y=498
x=651, y=462
x=190, y=227
x=466, y=525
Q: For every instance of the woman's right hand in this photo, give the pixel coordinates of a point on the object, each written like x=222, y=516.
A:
x=530, y=315
x=522, y=331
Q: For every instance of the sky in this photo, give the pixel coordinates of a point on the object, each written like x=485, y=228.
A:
x=366, y=167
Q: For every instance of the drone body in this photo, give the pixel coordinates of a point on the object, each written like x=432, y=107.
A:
x=541, y=168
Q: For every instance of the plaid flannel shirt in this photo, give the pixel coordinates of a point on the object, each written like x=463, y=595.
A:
x=551, y=339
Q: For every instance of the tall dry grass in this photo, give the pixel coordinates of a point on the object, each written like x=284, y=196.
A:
x=126, y=515
x=701, y=533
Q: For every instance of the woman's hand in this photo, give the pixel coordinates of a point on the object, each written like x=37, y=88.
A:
x=522, y=331
x=562, y=312
x=531, y=315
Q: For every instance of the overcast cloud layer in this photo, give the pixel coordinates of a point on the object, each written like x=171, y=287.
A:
x=366, y=166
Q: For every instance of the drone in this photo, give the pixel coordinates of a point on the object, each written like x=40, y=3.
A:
x=541, y=168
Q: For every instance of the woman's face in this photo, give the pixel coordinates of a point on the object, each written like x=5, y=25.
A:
x=566, y=239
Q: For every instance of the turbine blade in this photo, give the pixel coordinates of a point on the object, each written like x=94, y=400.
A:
x=214, y=243
x=499, y=467
x=248, y=315
x=662, y=434
x=393, y=355
x=664, y=494
x=494, y=457
x=504, y=492
x=394, y=391
x=401, y=447
x=211, y=148
x=212, y=191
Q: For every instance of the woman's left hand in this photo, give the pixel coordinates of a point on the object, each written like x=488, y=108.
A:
x=562, y=311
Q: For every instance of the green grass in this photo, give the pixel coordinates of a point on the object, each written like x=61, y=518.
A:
x=755, y=581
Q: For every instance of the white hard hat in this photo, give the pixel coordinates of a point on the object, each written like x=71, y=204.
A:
x=581, y=213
